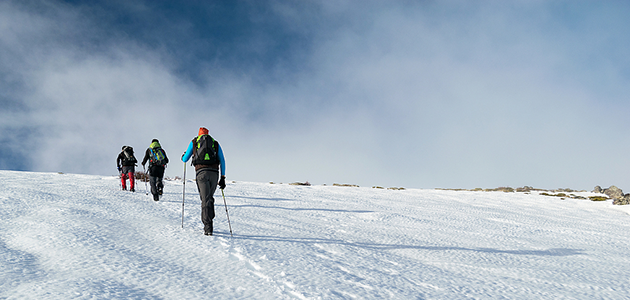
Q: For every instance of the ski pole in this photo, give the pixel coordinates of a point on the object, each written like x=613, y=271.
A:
x=146, y=192
x=226, y=213
x=183, y=195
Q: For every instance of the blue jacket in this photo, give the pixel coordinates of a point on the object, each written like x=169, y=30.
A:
x=189, y=153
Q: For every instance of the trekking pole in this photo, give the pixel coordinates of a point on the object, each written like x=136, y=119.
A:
x=146, y=192
x=226, y=212
x=120, y=178
x=183, y=195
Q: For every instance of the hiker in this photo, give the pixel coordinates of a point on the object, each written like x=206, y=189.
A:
x=207, y=157
x=157, y=163
x=126, y=163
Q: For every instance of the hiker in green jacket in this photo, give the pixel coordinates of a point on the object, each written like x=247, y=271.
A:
x=157, y=163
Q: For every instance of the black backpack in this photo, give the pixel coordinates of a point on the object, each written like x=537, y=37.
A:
x=128, y=158
x=205, y=151
x=157, y=157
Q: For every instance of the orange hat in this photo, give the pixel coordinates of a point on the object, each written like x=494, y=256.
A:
x=203, y=130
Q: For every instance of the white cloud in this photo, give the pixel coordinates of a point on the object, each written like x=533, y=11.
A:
x=421, y=96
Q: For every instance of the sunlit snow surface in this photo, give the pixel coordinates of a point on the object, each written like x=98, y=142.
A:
x=65, y=236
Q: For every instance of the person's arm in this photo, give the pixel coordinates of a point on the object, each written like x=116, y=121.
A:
x=188, y=152
x=118, y=159
x=221, y=160
x=146, y=156
x=222, y=163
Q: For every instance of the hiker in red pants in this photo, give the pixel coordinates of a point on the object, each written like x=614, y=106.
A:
x=126, y=163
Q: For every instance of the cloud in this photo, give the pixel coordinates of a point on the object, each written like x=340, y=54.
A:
x=481, y=99
x=413, y=94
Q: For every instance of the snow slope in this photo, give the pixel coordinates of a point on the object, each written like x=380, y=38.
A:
x=65, y=236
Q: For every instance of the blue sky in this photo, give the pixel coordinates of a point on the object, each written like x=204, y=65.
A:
x=418, y=94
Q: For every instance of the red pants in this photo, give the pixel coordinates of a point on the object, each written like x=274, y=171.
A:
x=123, y=178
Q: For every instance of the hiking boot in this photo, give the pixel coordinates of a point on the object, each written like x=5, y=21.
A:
x=133, y=190
x=156, y=198
x=208, y=228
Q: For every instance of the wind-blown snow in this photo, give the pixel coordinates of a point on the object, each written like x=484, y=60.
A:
x=65, y=236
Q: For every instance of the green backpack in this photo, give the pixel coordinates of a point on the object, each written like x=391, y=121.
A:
x=157, y=157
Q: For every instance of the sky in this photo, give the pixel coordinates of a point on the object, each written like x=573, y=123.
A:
x=419, y=94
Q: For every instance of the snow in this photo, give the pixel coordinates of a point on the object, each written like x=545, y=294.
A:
x=68, y=236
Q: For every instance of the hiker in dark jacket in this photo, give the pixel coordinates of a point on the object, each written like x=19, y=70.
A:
x=208, y=159
x=126, y=163
x=157, y=163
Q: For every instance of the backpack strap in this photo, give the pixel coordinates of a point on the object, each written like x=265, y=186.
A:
x=151, y=155
x=194, y=142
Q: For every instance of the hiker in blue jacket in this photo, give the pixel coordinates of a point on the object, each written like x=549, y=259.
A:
x=207, y=157
x=157, y=163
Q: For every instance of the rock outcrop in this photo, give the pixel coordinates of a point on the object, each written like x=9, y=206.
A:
x=623, y=201
x=615, y=193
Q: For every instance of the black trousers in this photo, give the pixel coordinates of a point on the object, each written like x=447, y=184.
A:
x=156, y=184
x=156, y=173
x=207, y=180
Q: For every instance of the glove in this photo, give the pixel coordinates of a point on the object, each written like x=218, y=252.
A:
x=183, y=156
x=119, y=169
x=222, y=182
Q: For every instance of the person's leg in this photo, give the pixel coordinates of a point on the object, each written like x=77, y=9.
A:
x=160, y=186
x=153, y=184
x=207, y=185
x=123, y=180
x=132, y=181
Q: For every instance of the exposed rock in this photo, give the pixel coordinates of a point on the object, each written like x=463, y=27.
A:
x=345, y=184
x=614, y=192
x=598, y=189
x=598, y=198
x=505, y=189
x=623, y=201
x=566, y=190
x=525, y=189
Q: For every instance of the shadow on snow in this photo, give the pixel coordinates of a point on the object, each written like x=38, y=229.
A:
x=377, y=246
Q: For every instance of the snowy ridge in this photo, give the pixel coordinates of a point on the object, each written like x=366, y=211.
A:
x=66, y=236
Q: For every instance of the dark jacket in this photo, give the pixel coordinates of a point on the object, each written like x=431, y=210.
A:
x=122, y=161
x=156, y=171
